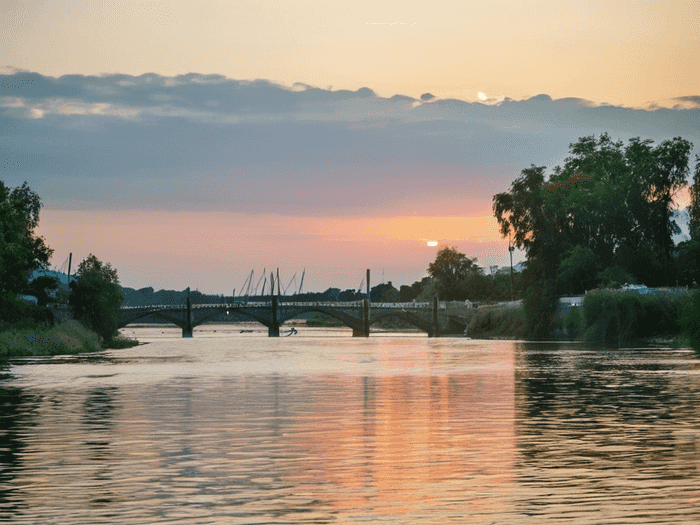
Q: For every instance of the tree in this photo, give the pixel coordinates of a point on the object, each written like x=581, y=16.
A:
x=613, y=200
x=449, y=270
x=21, y=251
x=96, y=297
x=694, y=207
x=527, y=215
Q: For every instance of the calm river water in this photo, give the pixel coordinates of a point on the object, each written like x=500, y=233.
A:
x=320, y=427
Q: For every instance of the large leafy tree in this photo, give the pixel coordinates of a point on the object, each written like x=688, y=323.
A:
x=21, y=250
x=449, y=270
x=613, y=200
x=96, y=296
x=526, y=214
x=622, y=205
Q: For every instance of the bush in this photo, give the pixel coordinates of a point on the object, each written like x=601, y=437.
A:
x=689, y=319
x=616, y=317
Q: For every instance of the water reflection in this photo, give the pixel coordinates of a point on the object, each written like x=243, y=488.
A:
x=606, y=433
x=336, y=431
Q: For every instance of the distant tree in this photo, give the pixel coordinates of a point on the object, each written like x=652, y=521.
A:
x=96, y=297
x=449, y=269
x=21, y=251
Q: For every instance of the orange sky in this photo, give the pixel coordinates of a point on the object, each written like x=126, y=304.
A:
x=204, y=249
x=614, y=51
x=382, y=175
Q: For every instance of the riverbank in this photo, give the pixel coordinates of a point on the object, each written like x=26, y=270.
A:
x=67, y=338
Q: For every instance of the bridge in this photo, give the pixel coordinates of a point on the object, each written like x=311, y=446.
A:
x=358, y=315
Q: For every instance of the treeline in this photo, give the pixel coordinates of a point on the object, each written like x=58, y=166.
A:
x=603, y=219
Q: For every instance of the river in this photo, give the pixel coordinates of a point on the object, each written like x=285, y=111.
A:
x=321, y=427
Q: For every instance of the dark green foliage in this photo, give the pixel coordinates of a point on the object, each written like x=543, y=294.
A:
x=96, y=297
x=688, y=262
x=42, y=287
x=21, y=251
x=577, y=272
x=617, y=318
x=573, y=322
x=614, y=277
x=18, y=312
x=610, y=205
x=689, y=320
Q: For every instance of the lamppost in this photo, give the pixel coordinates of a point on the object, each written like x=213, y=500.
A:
x=510, y=249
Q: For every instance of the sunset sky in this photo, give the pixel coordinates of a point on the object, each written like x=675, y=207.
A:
x=190, y=142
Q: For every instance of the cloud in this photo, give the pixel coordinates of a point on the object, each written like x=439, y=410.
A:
x=207, y=142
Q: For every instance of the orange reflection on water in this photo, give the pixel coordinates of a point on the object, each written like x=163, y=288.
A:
x=405, y=438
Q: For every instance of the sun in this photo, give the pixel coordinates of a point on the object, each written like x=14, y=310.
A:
x=432, y=243
x=482, y=96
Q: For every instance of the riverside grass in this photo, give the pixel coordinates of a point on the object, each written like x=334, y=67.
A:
x=67, y=338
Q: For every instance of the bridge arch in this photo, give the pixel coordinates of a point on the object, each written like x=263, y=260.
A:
x=405, y=316
x=161, y=314
x=347, y=319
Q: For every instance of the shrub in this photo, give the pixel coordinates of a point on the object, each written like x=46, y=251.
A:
x=689, y=320
x=616, y=317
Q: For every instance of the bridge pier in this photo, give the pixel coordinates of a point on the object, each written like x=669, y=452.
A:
x=274, y=329
x=435, y=332
x=187, y=328
x=364, y=332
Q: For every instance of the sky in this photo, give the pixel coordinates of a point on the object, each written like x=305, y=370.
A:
x=190, y=143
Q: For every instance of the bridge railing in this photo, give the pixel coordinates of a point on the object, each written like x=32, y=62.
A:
x=261, y=304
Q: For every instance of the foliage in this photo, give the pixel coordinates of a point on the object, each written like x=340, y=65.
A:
x=119, y=342
x=449, y=269
x=688, y=262
x=96, y=297
x=21, y=251
x=42, y=288
x=15, y=310
x=609, y=205
x=577, y=272
x=30, y=340
x=616, y=317
x=573, y=322
x=614, y=277
x=689, y=320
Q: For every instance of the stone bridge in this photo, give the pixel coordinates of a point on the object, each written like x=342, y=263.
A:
x=360, y=315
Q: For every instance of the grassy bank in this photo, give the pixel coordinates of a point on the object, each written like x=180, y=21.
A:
x=71, y=337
